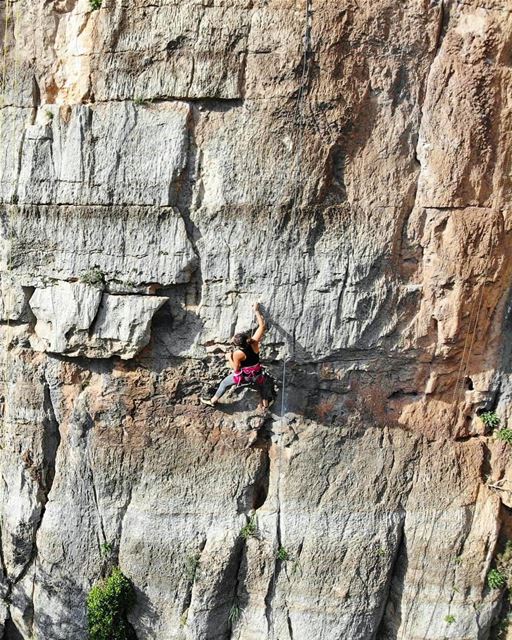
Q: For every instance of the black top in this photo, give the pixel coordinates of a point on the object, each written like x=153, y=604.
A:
x=251, y=357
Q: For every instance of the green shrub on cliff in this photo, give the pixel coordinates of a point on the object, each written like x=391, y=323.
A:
x=496, y=579
x=282, y=554
x=490, y=419
x=505, y=435
x=504, y=562
x=108, y=604
x=93, y=277
x=500, y=577
x=95, y=4
x=192, y=566
x=234, y=614
x=249, y=529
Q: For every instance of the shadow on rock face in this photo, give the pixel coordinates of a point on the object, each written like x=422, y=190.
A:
x=224, y=595
x=11, y=632
x=142, y=614
x=173, y=331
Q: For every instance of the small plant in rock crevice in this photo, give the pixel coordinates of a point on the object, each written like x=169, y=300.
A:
x=504, y=562
x=500, y=577
x=249, y=529
x=490, y=419
x=234, y=614
x=95, y=4
x=139, y=101
x=192, y=566
x=449, y=619
x=505, y=435
x=282, y=554
x=496, y=579
x=94, y=277
x=108, y=604
x=183, y=619
x=106, y=549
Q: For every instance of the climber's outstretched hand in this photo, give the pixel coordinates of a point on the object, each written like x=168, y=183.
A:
x=258, y=334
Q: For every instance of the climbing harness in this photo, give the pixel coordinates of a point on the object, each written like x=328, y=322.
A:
x=249, y=375
x=267, y=386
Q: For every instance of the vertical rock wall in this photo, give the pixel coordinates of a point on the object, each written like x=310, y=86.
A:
x=163, y=165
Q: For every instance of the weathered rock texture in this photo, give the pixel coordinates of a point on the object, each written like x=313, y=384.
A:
x=163, y=165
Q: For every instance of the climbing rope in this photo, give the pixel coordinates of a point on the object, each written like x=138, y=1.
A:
x=298, y=124
x=277, y=544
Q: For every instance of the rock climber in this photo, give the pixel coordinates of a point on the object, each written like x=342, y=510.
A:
x=245, y=362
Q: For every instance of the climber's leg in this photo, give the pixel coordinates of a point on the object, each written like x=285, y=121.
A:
x=264, y=399
x=228, y=381
x=267, y=393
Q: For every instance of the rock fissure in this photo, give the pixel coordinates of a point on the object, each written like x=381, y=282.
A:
x=237, y=599
x=102, y=538
x=186, y=192
x=43, y=477
x=188, y=594
x=290, y=628
x=51, y=443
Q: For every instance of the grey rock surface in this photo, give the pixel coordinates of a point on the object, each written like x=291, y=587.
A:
x=165, y=164
x=78, y=319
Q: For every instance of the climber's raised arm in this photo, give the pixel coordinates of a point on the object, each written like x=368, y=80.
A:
x=258, y=334
x=245, y=362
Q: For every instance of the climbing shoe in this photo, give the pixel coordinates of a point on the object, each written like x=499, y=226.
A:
x=208, y=402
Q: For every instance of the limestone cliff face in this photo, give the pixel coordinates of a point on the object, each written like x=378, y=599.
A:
x=165, y=163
